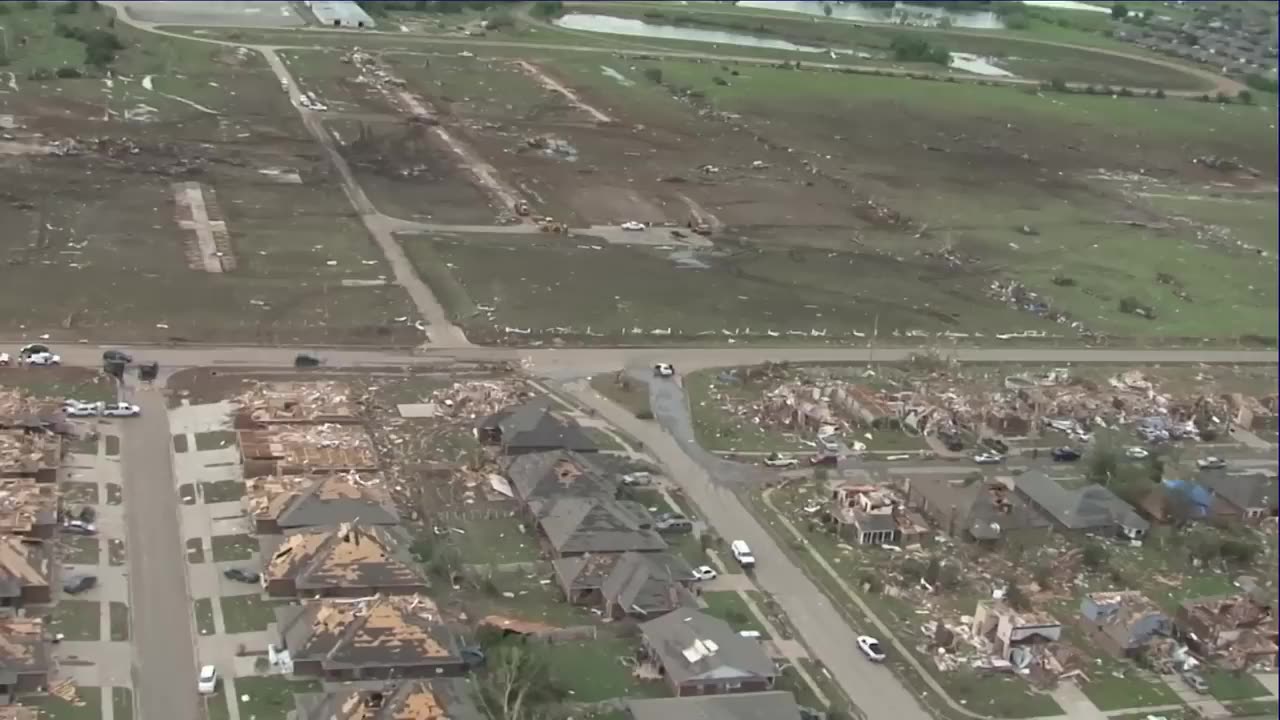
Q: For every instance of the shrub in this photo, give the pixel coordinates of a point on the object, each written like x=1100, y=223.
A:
x=1094, y=556
x=67, y=72
x=653, y=75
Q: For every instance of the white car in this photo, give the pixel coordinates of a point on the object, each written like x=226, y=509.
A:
x=778, y=460
x=632, y=226
x=829, y=443
x=4, y=358
x=987, y=459
x=208, y=682
x=73, y=408
x=120, y=409
x=1211, y=463
x=1137, y=453
x=742, y=554
x=637, y=479
x=871, y=648
x=705, y=572
x=44, y=359
x=664, y=370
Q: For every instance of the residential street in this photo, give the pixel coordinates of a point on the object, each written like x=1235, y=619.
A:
x=165, y=668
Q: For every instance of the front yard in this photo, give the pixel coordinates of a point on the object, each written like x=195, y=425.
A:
x=593, y=670
x=247, y=613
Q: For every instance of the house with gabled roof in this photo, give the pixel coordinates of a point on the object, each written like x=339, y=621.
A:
x=25, y=660
x=437, y=699
x=26, y=567
x=698, y=654
x=532, y=427
x=580, y=525
x=772, y=705
x=347, y=561
x=537, y=478
x=284, y=502
x=1083, y=507
x=628, y=584
x=1250, y=496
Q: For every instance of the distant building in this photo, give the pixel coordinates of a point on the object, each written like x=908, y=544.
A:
x=340, y=13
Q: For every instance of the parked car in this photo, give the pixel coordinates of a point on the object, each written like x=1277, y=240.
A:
x=4, y=358
x=637, y=479
x=44, y=359
x=871, y=648
x=996, y=444
x=742, y=554
x=241, y=575
x=1211, y=463
x=116, y=356
x=952, y=442
x=79, y=583
x=664, y=370
x=306, y=360
x=207, y=683
x=673, y=523
x=1137, y=453
x=632, y=226
x=120, y=409
x=705, y=572
x=79, y=527
x=73, y=408
x=32, y=349
x=1196, y=682
x=830, y=443
x=988, y=458
x=778, y=460
x=1065, y=454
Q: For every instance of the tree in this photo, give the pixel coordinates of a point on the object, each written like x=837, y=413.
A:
x=1119, y=11
x=910, y=48
x=1241, y=552
x=1094, y=556
x=933, y=571
x=1043, y=576
x=1016, y=598
x=1104, y=460
x=826, y=9
x=654, y=75
x=547, y=9
x=1245, y=97
x=1159, y=94
x=517, y=682
x=1057, y=84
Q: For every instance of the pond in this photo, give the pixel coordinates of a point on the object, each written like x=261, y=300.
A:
x=899, y=14
x=638, y=28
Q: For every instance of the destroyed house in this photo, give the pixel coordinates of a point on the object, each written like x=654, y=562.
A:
x=1241, y=628
x=1009, y=629
x=25, y=569
x=285, y=403
x=1090, y=508
x=24, y=657
x=578, y=525
x=1250, y=496
x=284, y=502
x=532, y=427
x=375, y=639
x=772, y=705
x=298, y=449
x=698, y=654
x=537, y=478
x=23, y=412
x=627, y=584
x=17, y=712
x=443, y=699
x=347, y=561
x=30, y=454
x=1123, y=623
x=28, y=508
x=871, y=515
x=985, y=511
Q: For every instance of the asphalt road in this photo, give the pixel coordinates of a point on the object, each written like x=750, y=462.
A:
x=164, y=672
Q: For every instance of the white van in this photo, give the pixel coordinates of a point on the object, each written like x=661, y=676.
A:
x=742, y=554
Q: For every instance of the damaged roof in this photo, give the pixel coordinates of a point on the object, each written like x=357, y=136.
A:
x=1252, y=490
x=346, y=556
x=299, y=402
x=24, y=453
x=18, y=712
x=311, y=501
x=20, y=409
x=532, y=425
x=773, y=705
x=558, y=473
x=695, y=646
x=648, y=583
x=24, y=504
x=438, y=699
x=311, y=447
x=23, y=649
x=23, y=563
x=986, y=509
x=1082, y=508
x=399, y=631
x=598, y=525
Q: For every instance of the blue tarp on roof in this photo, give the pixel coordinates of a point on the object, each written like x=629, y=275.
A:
x=1201, y=498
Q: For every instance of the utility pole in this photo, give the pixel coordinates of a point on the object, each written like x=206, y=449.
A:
x=871, y=347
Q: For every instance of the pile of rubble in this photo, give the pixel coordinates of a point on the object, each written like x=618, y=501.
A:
x=473, y=400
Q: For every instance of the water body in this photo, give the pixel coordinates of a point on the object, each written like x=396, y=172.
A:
x=638, y=28
x=899, y=14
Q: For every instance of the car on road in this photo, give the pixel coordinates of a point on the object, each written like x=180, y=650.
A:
x=705, y=572
x=79, y=583
x=1137, y=453
x=121, y=409
x=995, y=445
x=871, y=648
x=5, y=359
x=306, y=360
x=1211, y=463
x=632, y=226
x=1065, y=454
x=778, y=460
x=988, y=458
x=664, y=370
x=75, y=408
x=44, y=359
x=33, y=349
x=207, y=684
x=116, y=356
x=637, y=479
x=830, y=443
x=241, y=575
x=673, y=523
x=1196, y=682
x=79, y=527
x=742, y=554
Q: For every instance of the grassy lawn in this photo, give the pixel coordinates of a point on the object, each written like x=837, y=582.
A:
x=730, y=607
x=55, y=708
x=495, y=541
x=689, y=548
x=215, y=440
x=591, y=670
x=122, y=703
x=1184, y=713
x=602, y=439
x=215, y=705
x=77, y=492
x=221, y=491
x=204, y=617
x=62, y=382
x=1255, y=708
x=1227, y=686
x=233, y=547
x=80, y=550
x=119, y=621
x=81, y=446
x=270, y=698
x=1112, y=693
x=717, y=429
x=115, y=494
x=247, y=613
x=630, y=393
x=195, y=550
x=77, y=619
x=115, y=552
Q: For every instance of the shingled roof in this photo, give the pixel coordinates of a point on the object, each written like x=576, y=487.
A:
x=575, y=525
x=775, y=705
x=22, y=564
x=23, y=649
x=348, y=556
x=532, y=426
x=541, y=476
x=294, y=501
x=382, y=632
x=692, y=645
x=1082, y=508
x=437, y=699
